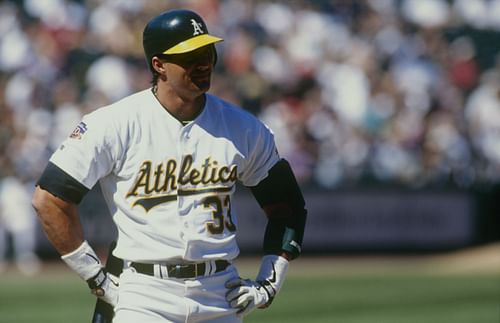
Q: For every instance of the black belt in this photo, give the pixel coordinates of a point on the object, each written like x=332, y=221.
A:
x=181, y=271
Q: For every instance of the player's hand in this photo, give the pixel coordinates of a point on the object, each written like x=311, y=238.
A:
x=105, y=286
x=246, y=295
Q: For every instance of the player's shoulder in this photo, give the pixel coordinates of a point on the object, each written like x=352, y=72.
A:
x=127, y=104
x=231, y=112
x=123, y=109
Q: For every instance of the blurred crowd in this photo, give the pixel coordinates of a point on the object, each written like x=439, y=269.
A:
x=357, y=92
x=371, y=91
x=401, y=92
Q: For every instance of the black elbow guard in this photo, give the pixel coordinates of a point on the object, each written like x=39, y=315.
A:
x=285, y=235
x=282, y=200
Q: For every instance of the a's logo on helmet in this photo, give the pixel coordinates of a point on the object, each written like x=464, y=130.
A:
x=197, y=27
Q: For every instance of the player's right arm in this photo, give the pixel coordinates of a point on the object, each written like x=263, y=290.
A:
x=86, y=156
x=56, y=200
x=59, y=219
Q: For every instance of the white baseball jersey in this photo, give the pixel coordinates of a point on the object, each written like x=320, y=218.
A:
x=168, y=186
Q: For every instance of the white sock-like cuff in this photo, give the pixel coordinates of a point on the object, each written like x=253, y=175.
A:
x=273, y=269
x=84, y=261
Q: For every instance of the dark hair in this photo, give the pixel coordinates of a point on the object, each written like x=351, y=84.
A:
x=155, y=74
x=154, y=78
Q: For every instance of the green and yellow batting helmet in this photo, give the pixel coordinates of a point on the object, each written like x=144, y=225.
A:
x=175, y=32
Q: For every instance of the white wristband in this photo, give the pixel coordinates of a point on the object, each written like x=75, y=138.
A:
x=83, y=261
x=272, y=272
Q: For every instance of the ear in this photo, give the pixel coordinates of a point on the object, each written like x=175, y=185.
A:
x=158, y=65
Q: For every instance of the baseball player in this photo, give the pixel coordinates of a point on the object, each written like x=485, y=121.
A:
x=168, y=159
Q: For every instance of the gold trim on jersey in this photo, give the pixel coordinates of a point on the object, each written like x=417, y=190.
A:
x=203, y=190
x=151, y=201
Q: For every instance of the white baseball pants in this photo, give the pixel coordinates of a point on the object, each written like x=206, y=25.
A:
x=148, y=299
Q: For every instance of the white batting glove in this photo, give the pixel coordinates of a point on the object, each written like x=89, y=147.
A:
x=105, y=286
x=247, y=295
x=87, y=265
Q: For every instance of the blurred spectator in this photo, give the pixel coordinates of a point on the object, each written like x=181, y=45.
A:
x=482, y=113
x=17, y=221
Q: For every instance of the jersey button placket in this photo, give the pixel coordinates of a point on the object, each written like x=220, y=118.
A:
x=183, y=151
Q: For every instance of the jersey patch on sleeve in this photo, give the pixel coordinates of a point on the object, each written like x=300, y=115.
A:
x=79, y=131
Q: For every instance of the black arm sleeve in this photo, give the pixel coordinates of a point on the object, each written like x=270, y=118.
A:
x=61, y=184
x=282, y=200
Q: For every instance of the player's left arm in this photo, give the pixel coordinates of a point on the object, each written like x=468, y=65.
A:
x=280, y=197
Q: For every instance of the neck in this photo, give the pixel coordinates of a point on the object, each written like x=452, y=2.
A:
x=182, y=108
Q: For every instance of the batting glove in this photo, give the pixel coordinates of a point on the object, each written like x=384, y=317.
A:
x=247, y=295
x=87, y=265
x=105, y=286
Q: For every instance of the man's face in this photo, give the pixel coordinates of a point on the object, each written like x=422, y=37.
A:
x=190, y=71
